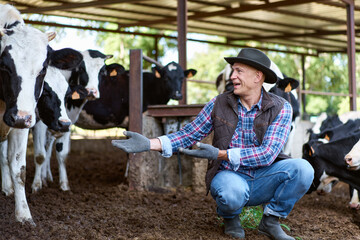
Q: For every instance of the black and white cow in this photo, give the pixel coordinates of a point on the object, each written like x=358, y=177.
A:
x=86, y=76
x=284, y=87
x=51, y=105
x=112, y=108
x=326, y=149
x=24, y=58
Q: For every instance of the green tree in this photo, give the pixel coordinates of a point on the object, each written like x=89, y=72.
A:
x=120, y=44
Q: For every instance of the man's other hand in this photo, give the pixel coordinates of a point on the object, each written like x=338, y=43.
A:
x=135, y=144
x=204, y=151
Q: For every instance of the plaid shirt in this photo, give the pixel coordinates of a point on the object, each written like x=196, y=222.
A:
x=245, y=152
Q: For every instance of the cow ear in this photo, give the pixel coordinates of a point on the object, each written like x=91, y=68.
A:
x=190, y=73
x=156, y=71
x=78, y=92
x=108, y=56
x=287, y=84
x=51, y=36
x=66, y=58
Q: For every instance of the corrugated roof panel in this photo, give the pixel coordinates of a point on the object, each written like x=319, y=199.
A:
x=277, y=21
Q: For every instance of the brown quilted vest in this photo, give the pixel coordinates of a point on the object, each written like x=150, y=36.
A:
x=225, y=119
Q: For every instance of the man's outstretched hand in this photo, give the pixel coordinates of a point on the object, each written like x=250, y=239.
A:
x=135, y=144
x=204, y=151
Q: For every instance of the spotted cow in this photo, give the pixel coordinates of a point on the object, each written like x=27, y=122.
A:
x=112, y=108
x=87, y=76
x=326, y=150
x=24, y=58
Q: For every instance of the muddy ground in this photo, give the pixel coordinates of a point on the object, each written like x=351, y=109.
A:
x=100, y=206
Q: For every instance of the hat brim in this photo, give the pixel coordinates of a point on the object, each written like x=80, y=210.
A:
x=270, y=75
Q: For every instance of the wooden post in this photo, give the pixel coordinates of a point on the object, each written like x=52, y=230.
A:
x=302, y=95
x=182, y=31
x=351, y=53
x=135, y=113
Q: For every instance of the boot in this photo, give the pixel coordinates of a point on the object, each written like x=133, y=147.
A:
x=270, y=226
x=233, y=227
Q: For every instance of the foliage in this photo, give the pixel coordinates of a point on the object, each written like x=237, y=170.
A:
x=120, y=44
x=250, y=217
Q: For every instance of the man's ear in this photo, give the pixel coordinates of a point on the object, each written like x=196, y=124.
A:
x=259, y=75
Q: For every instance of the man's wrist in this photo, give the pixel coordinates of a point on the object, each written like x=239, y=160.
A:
x=223, y=155
x=155, y=144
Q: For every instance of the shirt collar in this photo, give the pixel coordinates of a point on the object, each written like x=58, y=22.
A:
x=257, y=105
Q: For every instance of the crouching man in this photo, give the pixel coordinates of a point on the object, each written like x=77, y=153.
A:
x=246, y=166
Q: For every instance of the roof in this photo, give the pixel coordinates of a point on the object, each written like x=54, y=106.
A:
x=304, y=26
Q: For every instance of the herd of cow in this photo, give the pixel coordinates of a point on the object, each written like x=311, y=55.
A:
x=48, y=90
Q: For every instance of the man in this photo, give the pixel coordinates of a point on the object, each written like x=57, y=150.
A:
x=246, y=166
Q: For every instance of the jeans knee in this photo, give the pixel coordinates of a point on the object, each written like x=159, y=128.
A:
x=230, y=201
x=305, y=173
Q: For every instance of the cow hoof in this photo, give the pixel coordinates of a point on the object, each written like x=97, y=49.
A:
x=36, y=187
x=28, y=221
x=64, y=187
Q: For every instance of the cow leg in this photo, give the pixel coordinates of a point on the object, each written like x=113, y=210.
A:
x=6, y=182
x=46, y=169
x=39, y=138
x=62, y=147
x=354, y=202
x=17, y=158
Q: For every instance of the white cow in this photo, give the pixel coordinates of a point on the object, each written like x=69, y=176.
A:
x=87, y=76
x=23, y=63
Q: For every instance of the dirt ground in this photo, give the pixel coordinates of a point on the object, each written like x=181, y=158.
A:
x=100, y=206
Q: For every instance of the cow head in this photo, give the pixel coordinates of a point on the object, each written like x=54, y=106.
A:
x=23, y=63
x=173, y=75
x=51, y=105
x=9, y=16
x=88, y=74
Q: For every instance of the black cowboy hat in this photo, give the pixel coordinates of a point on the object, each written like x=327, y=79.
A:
x=256, y=59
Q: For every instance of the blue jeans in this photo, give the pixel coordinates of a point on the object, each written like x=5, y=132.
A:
x=279, y=186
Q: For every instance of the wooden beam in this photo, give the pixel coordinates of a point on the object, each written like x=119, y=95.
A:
x=174, y=110
x=297, y=35
x=244, y=8
x=169, y=37
x=69, y=6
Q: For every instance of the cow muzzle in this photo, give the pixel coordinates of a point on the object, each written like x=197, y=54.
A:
x=92, y=94
x=19, y=120
x=350, y=164
x=61, y=127
x=64, y=125
x=177, y=96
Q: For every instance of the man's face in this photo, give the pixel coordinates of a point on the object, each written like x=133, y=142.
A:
x=244, y=78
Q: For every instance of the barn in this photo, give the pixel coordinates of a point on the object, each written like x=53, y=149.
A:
x=157, y=198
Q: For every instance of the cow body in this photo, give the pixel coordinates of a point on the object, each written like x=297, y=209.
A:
x=326, y=149
x=86, y=76
x=112, y=109
x=23, y=63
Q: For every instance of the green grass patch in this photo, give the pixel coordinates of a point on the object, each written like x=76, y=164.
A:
x=250, y=217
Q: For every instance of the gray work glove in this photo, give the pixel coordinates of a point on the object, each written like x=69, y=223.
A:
x=204, y=151
x=135, y=144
